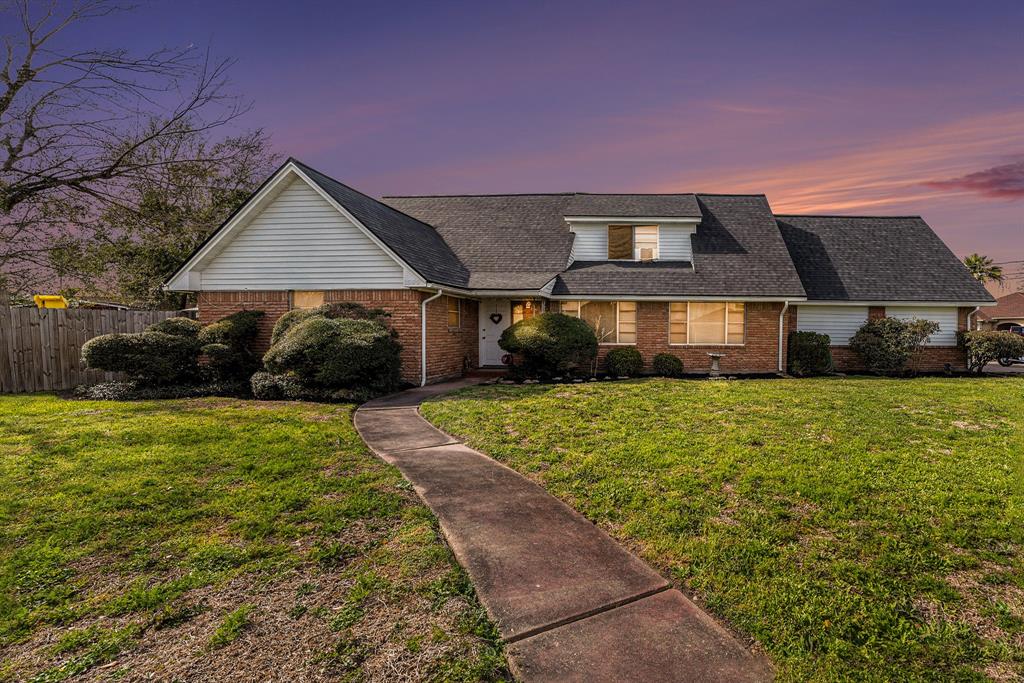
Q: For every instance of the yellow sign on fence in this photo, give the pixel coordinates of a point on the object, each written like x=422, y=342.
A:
x=50, y=301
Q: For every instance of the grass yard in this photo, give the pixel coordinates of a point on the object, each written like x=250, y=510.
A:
x=857, y=528
x=220, y=539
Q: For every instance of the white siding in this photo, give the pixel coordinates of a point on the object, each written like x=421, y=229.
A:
x=838, y=322
x=591, y=243
x=945, y=316
x=674, y=243
x=300, y=241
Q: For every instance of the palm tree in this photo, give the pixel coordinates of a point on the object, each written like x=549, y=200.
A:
x=983, y=269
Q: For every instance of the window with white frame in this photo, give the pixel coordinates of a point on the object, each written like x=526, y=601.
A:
x=614, y=322
x=454, y=312
x=632, y=242
x=706, y=322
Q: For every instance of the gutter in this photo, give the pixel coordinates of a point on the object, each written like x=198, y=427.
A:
x=970, y=315
x=423, y=336
x=782, y=316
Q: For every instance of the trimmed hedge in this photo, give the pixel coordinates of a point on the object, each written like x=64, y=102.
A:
x=237, y=330
x=624, y=362
x=667, y=365
x=985, y=346
x=155, y=358
x=179, y=327
x=338, y=353
x=810, y=353
x=135, y=391
x=886, y=345
x=227, y=346
x=287, y=387
x=351, y=311
x=552, y=344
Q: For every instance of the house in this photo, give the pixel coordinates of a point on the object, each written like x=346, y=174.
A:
x=1008, y=312
x=687, y=274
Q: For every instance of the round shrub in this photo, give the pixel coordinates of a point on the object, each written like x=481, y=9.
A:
x=151, y=357
x=667, y=365
x=624, y=362
x=886, y=345
x=810, y=353
x=344, y=309
x=338, y=353
x=551, y=344
x=179, y=327
x=984, y=346
x=237, y=330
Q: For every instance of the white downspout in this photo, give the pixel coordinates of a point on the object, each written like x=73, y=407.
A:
x=423, y=337
x=971, y=315
x=782, y=315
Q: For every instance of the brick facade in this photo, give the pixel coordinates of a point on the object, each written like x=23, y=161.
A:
x=448, y=347
x=758, y=354
x=451, y=350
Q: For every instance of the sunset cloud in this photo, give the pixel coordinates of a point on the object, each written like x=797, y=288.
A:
x=1005, y=181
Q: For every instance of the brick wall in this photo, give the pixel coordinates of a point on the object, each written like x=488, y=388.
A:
x=449, y=347
x=759, y=353
x=931, y=358
x=402, y=304
x=215, y=305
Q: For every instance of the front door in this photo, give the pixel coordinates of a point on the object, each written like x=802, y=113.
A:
x=495, y=316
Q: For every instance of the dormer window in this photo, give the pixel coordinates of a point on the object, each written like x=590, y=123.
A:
x=632, y=242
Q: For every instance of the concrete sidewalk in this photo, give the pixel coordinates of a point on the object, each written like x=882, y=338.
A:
x=570, y=603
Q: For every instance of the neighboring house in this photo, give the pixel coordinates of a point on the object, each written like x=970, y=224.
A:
x=686, y=274
x=1008, y=312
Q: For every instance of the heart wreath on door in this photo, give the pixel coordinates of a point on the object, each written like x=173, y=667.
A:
x=495, y=318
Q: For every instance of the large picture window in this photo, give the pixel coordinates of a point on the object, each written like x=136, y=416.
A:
x=614, y=322
x=706, y=322
x=632, y=242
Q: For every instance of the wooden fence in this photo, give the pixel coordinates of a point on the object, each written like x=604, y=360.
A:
x=40, y=349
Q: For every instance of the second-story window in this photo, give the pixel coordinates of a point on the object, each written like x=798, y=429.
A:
x=632, y=242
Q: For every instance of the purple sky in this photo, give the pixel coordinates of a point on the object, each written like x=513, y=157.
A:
x=829, y=107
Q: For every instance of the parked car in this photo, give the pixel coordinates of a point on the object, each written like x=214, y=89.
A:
x=1007, y=362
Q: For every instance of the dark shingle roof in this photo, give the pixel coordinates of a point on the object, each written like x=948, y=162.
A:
x=506, y=241
x=634, y=205
x=737, y=251
x=876, y=259
x=417, y=243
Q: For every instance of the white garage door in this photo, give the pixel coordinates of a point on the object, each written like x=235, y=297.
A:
x=946, y=317
x=838, y=322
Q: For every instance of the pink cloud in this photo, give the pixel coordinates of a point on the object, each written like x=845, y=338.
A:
x=1002, y=182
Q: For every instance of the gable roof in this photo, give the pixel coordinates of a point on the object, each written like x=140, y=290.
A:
x=415, y=242
x=870, y=258
x=740, y=248
x=1009, y=306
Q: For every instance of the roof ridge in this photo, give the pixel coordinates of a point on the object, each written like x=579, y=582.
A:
x=349, y=187
x=841, y=215
x=507, y=194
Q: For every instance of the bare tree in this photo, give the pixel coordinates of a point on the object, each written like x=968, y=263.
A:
x=75, y=124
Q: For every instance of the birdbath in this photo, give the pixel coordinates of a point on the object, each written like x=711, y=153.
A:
x=715, y=357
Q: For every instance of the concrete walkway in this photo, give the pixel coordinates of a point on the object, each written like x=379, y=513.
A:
x=570, y=603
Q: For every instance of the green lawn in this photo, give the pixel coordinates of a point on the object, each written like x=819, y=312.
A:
x=859, y=528
x=220, y=539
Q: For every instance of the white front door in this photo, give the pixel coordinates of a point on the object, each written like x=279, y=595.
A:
x=495, y=316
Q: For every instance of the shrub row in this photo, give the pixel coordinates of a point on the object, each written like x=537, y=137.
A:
x=557, y=345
